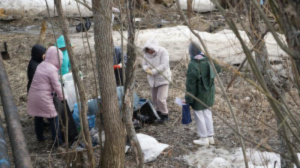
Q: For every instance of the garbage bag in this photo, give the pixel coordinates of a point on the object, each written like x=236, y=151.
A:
x=72, y=130
x=136, y=99
x=76, y=116
x=93, y=106
x=145, y=112
x=69, y=90
x=150, y=147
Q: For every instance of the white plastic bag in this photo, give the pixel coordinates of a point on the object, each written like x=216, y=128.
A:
x=150, y=147
x=199, y=5
x=69, y=90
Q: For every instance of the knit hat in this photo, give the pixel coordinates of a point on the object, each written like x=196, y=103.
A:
x=194, y=50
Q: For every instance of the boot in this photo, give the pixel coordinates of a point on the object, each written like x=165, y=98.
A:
x=41, y=139
x=159, y=114
x=163, y=118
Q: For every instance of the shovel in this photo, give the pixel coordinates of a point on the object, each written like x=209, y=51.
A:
x=5, y=54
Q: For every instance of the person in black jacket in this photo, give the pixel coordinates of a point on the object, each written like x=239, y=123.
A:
x=37, y=56
x=118, y=65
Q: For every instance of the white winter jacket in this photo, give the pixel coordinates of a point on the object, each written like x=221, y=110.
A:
x=158, y=62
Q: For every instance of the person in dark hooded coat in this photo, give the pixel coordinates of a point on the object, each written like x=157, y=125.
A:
x=118, y=65
x=37, y=53
x=200, y=83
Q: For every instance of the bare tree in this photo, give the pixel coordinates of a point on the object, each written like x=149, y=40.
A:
x=269, y=81
x=75, y=72
x=190, y=8
x=287, y=15
x=113, y=152
x=273, y=82
x=129, y=88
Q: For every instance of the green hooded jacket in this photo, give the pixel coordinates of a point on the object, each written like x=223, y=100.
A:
x=200, y=83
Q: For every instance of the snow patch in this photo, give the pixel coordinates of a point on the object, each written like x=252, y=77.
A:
x=212, y=157
x=222, y=45
x=38, y=7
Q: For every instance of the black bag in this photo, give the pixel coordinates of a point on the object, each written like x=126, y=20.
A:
x=146, y=112
x=83, y=27
x=72, y=131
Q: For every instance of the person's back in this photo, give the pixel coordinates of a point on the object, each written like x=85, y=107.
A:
x=37, y=53
x=200, y=83
x=45, y=82
x=40, y=97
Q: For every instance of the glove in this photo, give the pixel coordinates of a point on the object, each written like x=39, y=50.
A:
x=149, y=71
x=119, y=66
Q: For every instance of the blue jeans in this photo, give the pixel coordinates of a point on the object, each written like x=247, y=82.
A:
x=54, y=125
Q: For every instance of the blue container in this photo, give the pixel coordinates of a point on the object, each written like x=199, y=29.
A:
x=186, y=114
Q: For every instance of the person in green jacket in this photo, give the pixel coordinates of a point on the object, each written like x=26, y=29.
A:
x=61, y=44
x=200, y=83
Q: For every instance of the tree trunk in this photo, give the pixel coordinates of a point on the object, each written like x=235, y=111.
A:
x=190, y=9
x=272, y=81
x=129, y=88
x=41, y=39
x=83, y=101
x=288, y=17
x=114, y=146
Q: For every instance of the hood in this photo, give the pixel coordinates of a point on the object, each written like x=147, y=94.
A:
x=60, y=42
x=194, y=50
x=151, y=44
x=37, y=53
x=53, y=57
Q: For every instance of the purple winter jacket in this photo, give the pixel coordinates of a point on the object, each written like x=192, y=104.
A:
x=44, y=83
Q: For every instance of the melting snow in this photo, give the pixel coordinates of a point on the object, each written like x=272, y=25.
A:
x=212, y=157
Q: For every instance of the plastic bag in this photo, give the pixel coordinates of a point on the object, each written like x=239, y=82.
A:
x=146, y=112
x=186, y=114
x=150, y=147
x=69, y=90
x=76, y=117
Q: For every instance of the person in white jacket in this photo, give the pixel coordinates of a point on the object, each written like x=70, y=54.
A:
x=156, y=65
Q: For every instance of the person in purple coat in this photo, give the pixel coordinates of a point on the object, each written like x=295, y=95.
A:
x=40, y=97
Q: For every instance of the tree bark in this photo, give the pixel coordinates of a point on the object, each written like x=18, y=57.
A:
x=114, y=146
x=42, y=33
x=190, y=9
x=79, y=83
x=272, y=81
x=288, y=16
x=127, y=106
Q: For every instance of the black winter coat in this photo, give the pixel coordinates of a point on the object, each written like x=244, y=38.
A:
x=118, y=60
x=37, y=53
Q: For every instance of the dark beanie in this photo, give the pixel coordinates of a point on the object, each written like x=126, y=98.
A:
x=194, y=49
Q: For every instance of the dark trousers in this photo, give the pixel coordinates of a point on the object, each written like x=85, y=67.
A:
x=54, y=125
x=119, y=77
